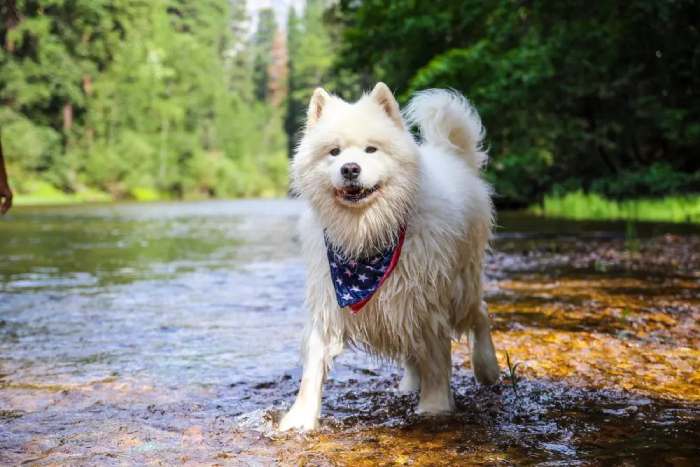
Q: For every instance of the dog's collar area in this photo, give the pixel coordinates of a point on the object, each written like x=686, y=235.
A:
x=356, y=280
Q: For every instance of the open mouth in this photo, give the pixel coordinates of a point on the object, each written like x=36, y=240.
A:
x=355, y=193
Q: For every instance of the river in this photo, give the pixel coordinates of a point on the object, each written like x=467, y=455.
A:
x=168, y=333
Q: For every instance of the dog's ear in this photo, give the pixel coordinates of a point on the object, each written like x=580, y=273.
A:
x=319, y=99
x=381, y=94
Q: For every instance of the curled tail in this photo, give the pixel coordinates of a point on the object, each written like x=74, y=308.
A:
x=447, y=119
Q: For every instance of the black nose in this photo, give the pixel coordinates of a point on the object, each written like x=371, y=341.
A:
x=350, y=171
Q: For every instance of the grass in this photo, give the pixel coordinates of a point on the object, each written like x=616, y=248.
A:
x=575, y=205
x=590, y=206
x=512, y=374
x=42, y=193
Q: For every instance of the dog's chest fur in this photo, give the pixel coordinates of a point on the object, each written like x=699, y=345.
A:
x=427, y=296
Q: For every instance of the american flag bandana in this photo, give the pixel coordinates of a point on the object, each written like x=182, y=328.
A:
x=355, y=281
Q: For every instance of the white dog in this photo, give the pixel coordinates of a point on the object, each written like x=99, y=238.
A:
x=394, y=237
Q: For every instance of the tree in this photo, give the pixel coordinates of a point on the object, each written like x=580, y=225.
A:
x=311, y=55
x=262, y=44
x=136, y=98
x=602, y=97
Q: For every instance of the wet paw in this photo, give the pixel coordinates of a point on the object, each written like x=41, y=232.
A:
x=486, y=371
x=435, y=404
x=485, y=364
x=434, y=409
x=298, y=419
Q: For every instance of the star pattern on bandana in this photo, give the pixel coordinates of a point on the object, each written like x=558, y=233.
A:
x=356, y=279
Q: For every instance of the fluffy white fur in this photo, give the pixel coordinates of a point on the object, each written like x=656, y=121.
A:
x=435, y=292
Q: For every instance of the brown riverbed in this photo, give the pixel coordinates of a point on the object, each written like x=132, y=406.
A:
x=168, y=334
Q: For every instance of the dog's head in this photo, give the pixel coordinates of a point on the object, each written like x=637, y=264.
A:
x=357, y=164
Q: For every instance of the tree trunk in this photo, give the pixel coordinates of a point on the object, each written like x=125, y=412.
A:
x=67, y=117
x=11, y=19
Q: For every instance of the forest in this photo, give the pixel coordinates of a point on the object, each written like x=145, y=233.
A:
x=137, y=99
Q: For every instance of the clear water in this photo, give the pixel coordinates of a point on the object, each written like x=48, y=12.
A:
x=169, y=332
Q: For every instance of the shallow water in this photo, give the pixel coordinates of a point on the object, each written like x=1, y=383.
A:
x=169, y=333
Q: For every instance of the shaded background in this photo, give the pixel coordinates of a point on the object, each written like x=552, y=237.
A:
x=131, y=99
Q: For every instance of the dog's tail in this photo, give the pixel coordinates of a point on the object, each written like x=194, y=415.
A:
x=447, y=119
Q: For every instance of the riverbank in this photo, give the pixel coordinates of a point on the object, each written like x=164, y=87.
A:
x=44, y=194
x=591, y=206
x=577, y=205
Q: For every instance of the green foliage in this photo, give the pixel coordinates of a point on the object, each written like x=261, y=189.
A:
x=42, y=192
x=137, y=98
x=600, y=97
x=32, y=145
x=658, y=179
x=262, y=41
x=580, y=205
x=177, y=98
x=312, y=51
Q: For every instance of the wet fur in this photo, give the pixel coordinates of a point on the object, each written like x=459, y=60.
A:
x=435, y=292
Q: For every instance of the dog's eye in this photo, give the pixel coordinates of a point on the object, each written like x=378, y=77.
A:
x=370, y=149
x=335, y=151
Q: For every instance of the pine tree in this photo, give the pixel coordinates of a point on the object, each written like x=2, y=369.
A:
x=311, y=55
x=262, y=44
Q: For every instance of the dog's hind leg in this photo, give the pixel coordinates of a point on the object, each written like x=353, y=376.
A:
x=306, y=409
x=435, y=374
x=483, y=353
x=410, y=382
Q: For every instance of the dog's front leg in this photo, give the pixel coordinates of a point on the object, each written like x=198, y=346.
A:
x=307, y=408
x=435, y=371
